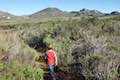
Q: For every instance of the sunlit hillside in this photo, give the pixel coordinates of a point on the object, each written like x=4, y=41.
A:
x=87, y=47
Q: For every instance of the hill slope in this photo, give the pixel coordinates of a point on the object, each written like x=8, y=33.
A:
x=50, y=12
x=6, y=16
x=87, y=12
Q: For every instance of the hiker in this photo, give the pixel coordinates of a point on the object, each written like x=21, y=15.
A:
x=51, y=61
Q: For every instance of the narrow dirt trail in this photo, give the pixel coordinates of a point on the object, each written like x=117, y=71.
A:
x=43, y=66
x=60, y=75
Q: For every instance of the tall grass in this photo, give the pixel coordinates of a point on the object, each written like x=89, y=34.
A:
x=17, y=58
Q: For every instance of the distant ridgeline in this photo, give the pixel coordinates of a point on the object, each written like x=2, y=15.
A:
x=55, y=12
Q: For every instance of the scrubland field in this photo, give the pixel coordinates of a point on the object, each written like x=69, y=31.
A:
x=88, y=47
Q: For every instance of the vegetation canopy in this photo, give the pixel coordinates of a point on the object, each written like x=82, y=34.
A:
x=87, y=46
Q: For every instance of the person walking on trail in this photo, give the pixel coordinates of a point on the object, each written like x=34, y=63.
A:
x=51, y=61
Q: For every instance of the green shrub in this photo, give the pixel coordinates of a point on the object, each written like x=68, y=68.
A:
x=15, y=71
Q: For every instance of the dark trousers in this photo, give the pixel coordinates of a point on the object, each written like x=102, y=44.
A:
x=51, y=71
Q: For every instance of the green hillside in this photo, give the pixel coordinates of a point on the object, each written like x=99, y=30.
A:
x=85, y=46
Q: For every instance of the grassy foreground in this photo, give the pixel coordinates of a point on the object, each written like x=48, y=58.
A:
x=93, y=42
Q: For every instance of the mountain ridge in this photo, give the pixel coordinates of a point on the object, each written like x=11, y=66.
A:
x=5, y=15
x=51, y=12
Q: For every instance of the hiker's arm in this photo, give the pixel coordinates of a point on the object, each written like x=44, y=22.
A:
x=56, y=61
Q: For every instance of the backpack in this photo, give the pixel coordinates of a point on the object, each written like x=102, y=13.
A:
x=46, y=58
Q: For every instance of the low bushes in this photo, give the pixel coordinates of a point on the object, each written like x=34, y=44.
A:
x=15, y=71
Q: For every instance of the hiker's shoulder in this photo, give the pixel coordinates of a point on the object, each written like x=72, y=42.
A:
x=51, y=51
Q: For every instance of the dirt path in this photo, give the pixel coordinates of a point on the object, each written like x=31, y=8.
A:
x=60, y=75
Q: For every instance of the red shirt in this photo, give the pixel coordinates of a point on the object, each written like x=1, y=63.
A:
x=51, y=57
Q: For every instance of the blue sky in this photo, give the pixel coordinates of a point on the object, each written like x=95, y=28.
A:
x=25, y=7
